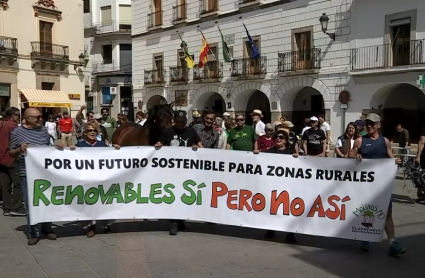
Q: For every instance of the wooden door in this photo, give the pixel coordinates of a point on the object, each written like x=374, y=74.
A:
x=46, y=38
x=158, y=76
x=401, y=45
x=211, y=5
x=158, y=12
x=252, y=66
x=303, y=48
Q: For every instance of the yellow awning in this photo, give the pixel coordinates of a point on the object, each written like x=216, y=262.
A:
x=44, y=98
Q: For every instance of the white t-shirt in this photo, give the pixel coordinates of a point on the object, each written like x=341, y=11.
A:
x=339, y=143
x=142, y=122
x=304, y=129
x=51, y=126
x=260, y=128
x=325, y=127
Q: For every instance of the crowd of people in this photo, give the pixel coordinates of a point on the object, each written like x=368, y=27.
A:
x=361, y=139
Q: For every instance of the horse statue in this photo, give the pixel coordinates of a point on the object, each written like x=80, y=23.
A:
x=131, y=134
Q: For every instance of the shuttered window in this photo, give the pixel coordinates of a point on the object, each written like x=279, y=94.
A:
x=106, y=14
x=125, y=13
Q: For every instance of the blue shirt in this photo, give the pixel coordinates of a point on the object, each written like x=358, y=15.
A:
x=85, y=144
x=372, y=149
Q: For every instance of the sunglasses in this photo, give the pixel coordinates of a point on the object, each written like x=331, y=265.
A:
x=281, y=137
x=91, y=130
x=240, y=120
x=370, y=123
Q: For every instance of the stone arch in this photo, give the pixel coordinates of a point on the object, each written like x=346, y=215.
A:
x=243, y=91
x=205, y=92
x=154, y=97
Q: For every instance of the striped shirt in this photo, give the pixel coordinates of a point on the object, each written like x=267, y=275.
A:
x=31, y=137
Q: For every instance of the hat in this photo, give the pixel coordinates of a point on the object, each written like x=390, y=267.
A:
x=277, y=123
x=226, y=114
x=359, y=123
x=281, y=130
x=373, y=117
x=180, y=115
x=97, y=116
x=314, y=119
x=257, y=112
x=288, y=124
x=195, y=113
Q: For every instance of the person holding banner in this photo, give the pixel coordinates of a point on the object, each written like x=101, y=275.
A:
x=375, y=146
x=179, y=135
x=31, y=133
x=282, y=146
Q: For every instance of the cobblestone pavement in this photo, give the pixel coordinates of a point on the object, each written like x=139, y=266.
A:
x=144, y=249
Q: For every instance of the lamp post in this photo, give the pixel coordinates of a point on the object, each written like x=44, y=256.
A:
x=324, y=20
x=81, y=59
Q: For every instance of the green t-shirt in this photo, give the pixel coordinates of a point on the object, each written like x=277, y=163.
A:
x=363, y=133
x=242, y=139
x=110, y=125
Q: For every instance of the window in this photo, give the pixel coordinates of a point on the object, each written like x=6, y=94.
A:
x=106, y=96
x=180, y=98
x=181, y=62
x=125, y=13
x=106, y=14
x=400, y=38
x=48, y=86
x=158, y=66
x=302, y=51
x=107, y=53
x=252, y=66
x=157, y=5
x=46, y=38
x=158, y=62
x=210, y=5
x=86, y=6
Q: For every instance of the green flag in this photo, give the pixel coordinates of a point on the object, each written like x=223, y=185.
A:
x=226, y=52
x=187, y=57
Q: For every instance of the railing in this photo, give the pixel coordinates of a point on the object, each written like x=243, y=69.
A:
x=8, y=45
x=112, y=27
x=242, y=2
x=178, y=74
x=300, y=60
x=49, y=51
x=154, y=76
x=211, y=70
x=111, y=66
x=249, y=67
x=388, y=55
x=155, y=19
x=179, y=12
x=208, y=6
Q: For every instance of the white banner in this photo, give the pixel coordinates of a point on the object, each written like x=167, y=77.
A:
x=309, y=195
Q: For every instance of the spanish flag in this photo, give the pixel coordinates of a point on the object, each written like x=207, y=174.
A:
x=203, y=55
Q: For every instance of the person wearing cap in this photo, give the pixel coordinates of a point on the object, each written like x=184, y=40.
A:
x=327, y=130
x=281, y=145
x=226, y=115
x=196, y=116
x=277, y=125
x=207, y=132
x=375, y=146
x=66, y=129
x=242, y=137
x=258, y=125
x=360, y=127
x=179, y=135
x=314, y=139
x=293, y=138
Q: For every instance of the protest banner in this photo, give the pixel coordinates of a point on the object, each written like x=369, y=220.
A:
x=310, y=195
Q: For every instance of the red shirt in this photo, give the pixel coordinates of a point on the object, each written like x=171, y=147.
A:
x=6, y=128
x=65, y=125
x=264, y=144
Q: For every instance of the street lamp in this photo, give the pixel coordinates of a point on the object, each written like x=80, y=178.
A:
x=324, y=20
x=82, y=58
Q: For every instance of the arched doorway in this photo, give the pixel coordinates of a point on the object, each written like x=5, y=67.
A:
x=155, y=100
x=307, y=102
x=401, y=104
x=210, y=101
x=258, y=100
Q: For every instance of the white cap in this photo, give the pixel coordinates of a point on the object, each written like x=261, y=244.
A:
x=226, y=114
x=314, y=119
x=97, y=116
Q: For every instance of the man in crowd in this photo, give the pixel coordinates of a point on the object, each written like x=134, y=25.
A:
x=401, y=136
x=258, y=125
x=306, y=124
x=66, y=129
x=80, y=119
x=242, y=137
x=327, y=130
x=375, y=146
x=31, y=133
x=207, y=132
x=226, y=115
x=109, y=123
x=179, y=136
x=314, y=139
x=9, y=168
x=196, y=116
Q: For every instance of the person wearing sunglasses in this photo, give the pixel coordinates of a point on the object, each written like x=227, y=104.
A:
x=282, y=146
x=31, y=133
x=375, y=146
x=242, y=137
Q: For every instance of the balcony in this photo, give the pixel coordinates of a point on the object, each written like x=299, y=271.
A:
x=154, y=77
x=211, y=71
x=208, y=7
x=307, y=60
x=8, y=49
x=178, y=74
x=118, y=27
x=249, y=67
x=48, y=53
x=111, y=67
x=387, y=56
x=179, y=13
x=155, y=19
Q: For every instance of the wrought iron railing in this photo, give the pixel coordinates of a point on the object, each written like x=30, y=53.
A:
x=111, y=66
x=179, y=12
x=8, y=45
x=307, y=59
x=112, y=27
x=154, y=76
x=211, y=70
x=388, y=55
x=208, y=6
x=178, y=74
x=246, y=67
x=155, y=19
x=49, y=51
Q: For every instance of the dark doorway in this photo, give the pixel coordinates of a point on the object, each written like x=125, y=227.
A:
x=317, y=105
x=127, y=102
x=258, y=100
x=125, y=55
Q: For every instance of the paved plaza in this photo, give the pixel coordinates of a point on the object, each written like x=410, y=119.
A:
x=144, y=249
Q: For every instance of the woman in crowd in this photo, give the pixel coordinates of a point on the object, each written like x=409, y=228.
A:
x=282, y=146
x=52, y=129
x=103, y=134
x=345, y=142
x=140, y=118
x=265, y=142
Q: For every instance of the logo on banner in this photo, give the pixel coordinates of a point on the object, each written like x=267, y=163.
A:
x=369, y=215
